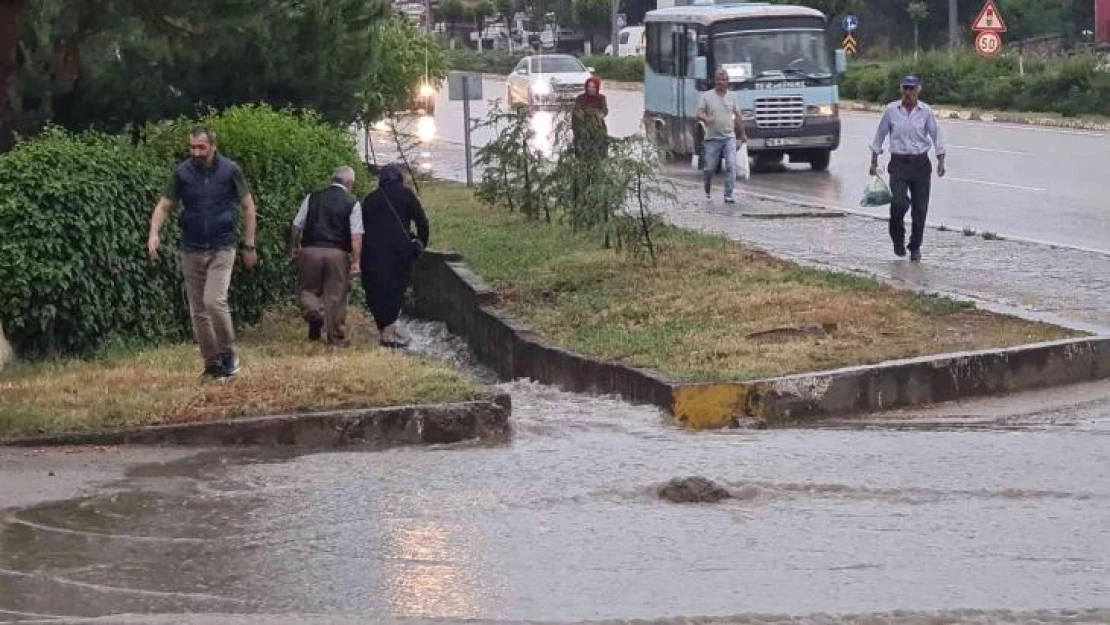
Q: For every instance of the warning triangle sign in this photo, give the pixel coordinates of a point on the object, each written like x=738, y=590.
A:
x=989, y=19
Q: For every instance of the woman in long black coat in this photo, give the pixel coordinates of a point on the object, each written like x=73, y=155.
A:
x=389, y=249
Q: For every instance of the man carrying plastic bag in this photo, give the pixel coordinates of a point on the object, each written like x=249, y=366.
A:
x=724, y=125
x=913, y=130
x=876, y=193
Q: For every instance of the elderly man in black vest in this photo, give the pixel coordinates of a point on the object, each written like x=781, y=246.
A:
x=210, y=189
x=327, y=246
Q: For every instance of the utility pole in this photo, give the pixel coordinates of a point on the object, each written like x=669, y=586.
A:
x=953, y=25
x=615, y=32
x=428, y=17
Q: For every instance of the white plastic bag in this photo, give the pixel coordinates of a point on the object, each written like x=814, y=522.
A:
x=743, y=163
x=876, y=193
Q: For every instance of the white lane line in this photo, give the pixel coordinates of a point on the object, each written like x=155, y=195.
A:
x=958, y=147
x=1002, y=125
x=991, y=150
x=996, y=184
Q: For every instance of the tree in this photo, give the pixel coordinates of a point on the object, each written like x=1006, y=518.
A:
x=452, y=12
x=11, y=18
x=505, y=9
x=404, y=56
x=592, y=16
x=114, y=64
x=483, y=10
x=917, y=11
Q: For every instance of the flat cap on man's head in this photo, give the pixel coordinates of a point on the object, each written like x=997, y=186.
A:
x=911, y=81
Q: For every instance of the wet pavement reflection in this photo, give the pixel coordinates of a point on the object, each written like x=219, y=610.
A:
x=999, y=507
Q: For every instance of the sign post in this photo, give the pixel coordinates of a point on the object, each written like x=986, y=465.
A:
x=465, y=86
x=989, y=27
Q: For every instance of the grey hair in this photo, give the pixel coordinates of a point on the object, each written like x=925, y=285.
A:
x=721, y=70
x=344, y=175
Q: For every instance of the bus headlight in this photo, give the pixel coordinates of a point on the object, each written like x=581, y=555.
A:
x=822, y=110
x=747, y=114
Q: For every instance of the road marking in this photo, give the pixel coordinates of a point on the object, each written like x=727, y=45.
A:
x=959, y=147
x=999, y=125
x=997, y=184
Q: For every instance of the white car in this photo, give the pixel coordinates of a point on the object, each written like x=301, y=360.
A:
x=547, y=80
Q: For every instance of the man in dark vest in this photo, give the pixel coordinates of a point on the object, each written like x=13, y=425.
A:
x=327, y=246
x=210, y=190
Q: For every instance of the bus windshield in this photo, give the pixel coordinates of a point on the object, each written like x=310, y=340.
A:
x=755, y=54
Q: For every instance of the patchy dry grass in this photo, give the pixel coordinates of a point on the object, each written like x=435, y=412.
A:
x=282, y=372
x=710, y=310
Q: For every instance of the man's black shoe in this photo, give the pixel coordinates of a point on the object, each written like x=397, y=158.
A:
x=899, y=249
x=315, y=329
x=212, y=370
x=915, y=256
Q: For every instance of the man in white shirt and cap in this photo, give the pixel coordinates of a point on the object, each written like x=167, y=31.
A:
x=912, y=128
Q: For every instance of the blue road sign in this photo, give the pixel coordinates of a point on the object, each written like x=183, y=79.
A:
x=850, y=23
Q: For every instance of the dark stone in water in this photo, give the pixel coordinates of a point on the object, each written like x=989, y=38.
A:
x=693, y=490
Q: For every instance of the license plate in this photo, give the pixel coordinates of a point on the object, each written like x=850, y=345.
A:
x=778, y=143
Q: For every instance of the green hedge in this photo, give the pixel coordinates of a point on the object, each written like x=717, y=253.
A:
x=1067, y=86
x=75, y=211
x=626, y=68
x=623, y=68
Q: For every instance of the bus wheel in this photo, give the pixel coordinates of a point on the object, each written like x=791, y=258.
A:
x=819, y=160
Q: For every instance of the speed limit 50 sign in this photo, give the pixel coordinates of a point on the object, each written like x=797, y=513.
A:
x=988, y=43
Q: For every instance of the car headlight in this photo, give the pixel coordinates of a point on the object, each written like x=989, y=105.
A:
x=541, y=88
x=823, y=110
x=427, y=91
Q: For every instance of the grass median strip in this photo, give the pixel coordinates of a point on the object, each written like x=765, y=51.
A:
x=282, y=373
x=710, y=310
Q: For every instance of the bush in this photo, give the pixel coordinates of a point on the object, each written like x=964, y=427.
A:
x=623, y=68
x=74, y=210
x=1068, y=86
x=284, y=155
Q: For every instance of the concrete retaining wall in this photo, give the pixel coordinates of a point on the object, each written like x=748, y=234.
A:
x=446, y=290
x=403, y=425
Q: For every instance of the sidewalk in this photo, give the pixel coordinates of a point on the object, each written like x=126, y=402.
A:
x=1062, y=286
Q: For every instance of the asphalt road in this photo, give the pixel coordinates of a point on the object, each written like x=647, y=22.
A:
x=1034, y=183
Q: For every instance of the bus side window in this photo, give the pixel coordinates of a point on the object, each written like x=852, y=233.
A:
x=662, y=54
x=691, y=50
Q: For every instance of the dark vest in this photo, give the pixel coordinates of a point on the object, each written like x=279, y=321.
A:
x=209, y=203
x=328, y=223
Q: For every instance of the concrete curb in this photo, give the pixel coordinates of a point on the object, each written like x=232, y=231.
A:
x=446, y=290
x=399, y=425
x=1020, y=119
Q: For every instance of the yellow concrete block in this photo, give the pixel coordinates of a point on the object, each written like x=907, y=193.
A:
x=709, y=406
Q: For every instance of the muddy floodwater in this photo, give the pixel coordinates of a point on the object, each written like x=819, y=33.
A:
x=980, y=513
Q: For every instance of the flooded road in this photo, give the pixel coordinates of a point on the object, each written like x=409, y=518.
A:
x=999, y=510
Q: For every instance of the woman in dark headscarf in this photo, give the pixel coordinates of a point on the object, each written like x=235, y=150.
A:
x=389, y=249
x=591, y=134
